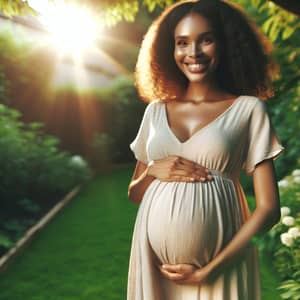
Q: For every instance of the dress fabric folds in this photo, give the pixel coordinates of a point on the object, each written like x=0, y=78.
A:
x=191, y=222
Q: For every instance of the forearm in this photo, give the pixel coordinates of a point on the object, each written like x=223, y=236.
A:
x=266, y=214
x=261, y=220
x=137, y=187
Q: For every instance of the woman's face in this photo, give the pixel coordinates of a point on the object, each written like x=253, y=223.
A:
x=195, y=50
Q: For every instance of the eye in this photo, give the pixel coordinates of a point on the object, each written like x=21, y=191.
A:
x=207, y=40
x=181, y=43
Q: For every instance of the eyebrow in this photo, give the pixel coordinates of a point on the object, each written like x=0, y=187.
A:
x=186, y=36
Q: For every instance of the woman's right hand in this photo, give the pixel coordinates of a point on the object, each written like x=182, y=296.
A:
x=176, y=168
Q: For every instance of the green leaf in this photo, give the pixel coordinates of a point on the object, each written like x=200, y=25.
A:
x=292, y=56
x=287, y=32
x=263, y=7
x=151, y=5
x=274, y=31
x=266, y=25
x=5, y=241
x=256, y=3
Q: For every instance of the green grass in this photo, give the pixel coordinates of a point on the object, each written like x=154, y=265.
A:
x=83, y=253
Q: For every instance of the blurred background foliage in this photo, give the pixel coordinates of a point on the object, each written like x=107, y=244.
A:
x=114, y=11
x=34, y=174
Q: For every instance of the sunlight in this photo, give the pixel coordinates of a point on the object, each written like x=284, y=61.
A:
x=73, y=29
x=75, y=37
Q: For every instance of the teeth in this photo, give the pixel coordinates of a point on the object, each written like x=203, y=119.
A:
x=192, y=64
x=196, y=67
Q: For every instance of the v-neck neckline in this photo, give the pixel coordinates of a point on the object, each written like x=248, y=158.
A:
x=202, y=128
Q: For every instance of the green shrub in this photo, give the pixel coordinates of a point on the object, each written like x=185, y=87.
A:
x=125, y=116
x=33, y=173
x=25, y=71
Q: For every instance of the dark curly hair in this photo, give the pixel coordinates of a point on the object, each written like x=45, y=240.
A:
x=245, y=67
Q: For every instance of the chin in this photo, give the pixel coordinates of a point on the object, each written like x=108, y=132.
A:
x=197, y=78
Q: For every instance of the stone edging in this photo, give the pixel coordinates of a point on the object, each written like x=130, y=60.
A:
x=9, y=256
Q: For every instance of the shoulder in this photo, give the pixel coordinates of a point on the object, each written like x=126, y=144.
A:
x=250, y=101
x=154, y=105
x=258, y=106
x=252, y=104
x=156, y=102
x=256, y=115
x=152, y=109
x=149, y=107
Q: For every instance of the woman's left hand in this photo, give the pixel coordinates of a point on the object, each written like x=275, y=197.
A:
x=185, y=273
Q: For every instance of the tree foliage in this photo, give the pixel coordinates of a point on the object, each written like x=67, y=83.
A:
x=281, y=17
x=17, y=7
x=278, y=23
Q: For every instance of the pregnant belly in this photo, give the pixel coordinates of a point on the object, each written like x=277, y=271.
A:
x=192, y=222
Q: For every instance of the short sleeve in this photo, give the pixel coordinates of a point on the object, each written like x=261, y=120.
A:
x=263, y=142
x=139, y=144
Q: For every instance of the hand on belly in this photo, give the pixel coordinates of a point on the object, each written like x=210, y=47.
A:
x=185, y=273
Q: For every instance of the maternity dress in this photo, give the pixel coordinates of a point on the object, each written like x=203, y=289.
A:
x=190, y=222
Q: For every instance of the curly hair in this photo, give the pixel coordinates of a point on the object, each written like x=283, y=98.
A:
x=245, y=68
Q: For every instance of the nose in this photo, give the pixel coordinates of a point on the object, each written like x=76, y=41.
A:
x=195, y=50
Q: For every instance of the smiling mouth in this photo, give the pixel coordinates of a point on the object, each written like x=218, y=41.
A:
x=196, y=68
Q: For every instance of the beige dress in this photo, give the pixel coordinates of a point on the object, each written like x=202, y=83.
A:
x=190, y=222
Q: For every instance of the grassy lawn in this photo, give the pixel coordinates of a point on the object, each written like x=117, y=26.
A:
x=83, y=254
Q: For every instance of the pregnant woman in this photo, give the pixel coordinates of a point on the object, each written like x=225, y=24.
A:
x=205, y=69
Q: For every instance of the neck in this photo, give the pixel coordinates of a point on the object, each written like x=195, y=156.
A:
x=199, y=92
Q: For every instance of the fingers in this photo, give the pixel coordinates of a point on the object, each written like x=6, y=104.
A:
x=187, y=168
x=188, y=177
x=195, y=169
x=184, y=179
x=176, y=168
x=179, y=268
x=181, y=175
x=188, y=163
x=179, y=273
x=171, y=275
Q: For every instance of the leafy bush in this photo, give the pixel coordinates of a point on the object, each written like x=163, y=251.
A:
x=283, y=241
x=22, y=79
x=125, y=116
x=33, y=173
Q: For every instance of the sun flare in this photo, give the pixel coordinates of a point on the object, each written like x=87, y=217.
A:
x=73, y=29
x=75, y=36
